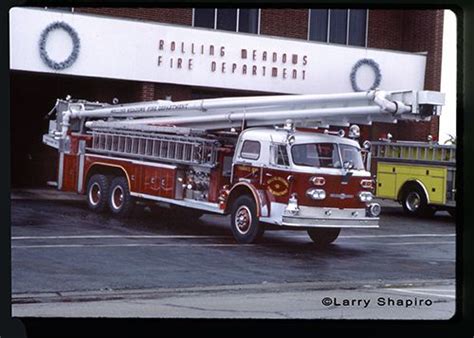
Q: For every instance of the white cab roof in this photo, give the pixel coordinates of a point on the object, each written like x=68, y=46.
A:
x=301, y=137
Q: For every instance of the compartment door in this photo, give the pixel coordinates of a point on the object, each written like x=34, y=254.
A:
x=167, y=182
x=386, y=181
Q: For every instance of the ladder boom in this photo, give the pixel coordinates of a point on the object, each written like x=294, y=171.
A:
x=214, y=114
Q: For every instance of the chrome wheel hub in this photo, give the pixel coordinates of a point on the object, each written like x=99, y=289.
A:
x=413, y=201
x=117, y=197
x=94, y=194
x=243, y=219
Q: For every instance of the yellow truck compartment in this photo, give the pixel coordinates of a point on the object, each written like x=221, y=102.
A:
x=392, y=176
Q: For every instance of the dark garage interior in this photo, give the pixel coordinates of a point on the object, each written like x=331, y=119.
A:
x=32, y=96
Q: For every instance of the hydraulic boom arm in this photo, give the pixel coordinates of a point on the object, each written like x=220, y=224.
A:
x=213, y=114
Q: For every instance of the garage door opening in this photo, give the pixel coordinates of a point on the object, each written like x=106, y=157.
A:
x=32, y=96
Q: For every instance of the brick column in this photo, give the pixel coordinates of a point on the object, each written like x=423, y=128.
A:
x=146, y=91
x=412, y=31
x=177, y=92
x=423, y=32
x=290, y=23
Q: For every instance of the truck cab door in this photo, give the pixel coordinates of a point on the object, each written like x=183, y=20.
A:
x=246, y=164
x=276, y=173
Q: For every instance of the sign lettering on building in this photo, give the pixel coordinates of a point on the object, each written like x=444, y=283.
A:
x=179, y=55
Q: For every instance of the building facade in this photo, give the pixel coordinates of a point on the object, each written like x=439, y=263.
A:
x=191, y=55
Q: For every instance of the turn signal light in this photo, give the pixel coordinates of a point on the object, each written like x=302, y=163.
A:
x=367, y=184
x=317, y=180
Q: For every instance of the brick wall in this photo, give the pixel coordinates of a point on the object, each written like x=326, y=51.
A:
x=177, y=92
x=181, y=16
x=423, y=32
x=385, y=29
x=411, y=31
x=291, y=23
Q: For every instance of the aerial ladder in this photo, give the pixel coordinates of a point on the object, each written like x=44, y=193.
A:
x=244, y=156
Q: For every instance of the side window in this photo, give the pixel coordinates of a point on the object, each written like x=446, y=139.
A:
x=250, y=150
x=280, y=155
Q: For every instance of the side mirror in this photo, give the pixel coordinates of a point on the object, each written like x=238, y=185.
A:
x=348, y=165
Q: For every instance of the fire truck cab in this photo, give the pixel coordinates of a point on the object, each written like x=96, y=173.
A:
x=299, y=180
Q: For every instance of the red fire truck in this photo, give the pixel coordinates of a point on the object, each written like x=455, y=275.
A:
x=246, y=157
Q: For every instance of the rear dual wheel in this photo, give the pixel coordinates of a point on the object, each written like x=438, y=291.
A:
x=109, y=192
x=120, y=201
x=97, y=192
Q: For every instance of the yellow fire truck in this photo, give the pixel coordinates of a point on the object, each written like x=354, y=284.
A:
x=419, y=175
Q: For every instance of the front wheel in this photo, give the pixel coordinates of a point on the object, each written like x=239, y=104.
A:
x=324, y=236
x=245, y=225
x=120, y=201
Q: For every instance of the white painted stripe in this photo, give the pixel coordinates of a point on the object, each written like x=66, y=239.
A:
x=435, y=290
x=424, y=293
x=385, y=236
x=204, y=236
x=419, y=243
x=114, y=236
x=398, y=236
x=124, y=245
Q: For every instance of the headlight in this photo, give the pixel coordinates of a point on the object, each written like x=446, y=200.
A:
x=366, y=196
x=316, y=194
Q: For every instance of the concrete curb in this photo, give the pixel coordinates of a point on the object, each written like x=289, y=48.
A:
x=156, y=293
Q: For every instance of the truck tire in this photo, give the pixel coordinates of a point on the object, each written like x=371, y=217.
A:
x=323, y=236
x=244, y=223
x=120, y=201
x=97, y=192
x=415, y=203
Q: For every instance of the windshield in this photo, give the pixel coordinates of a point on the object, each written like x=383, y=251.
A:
x=352, y=155
x=323, y=155
x=326, y=155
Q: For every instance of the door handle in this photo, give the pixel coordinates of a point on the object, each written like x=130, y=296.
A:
x=268, y=175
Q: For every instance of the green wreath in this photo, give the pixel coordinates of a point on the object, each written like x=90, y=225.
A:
x=375, y=67
x=75, y=46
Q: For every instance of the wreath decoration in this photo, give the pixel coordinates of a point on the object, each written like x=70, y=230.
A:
x=75, y=46
x=375, y=67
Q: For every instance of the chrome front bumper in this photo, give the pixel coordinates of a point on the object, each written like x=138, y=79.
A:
x=310, y=217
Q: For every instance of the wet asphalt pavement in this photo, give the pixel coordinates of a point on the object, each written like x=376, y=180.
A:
x=60, y=246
